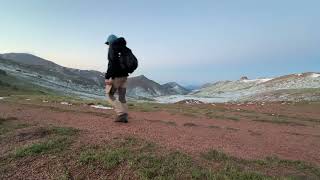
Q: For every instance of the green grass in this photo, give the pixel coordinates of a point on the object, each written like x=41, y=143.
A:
x=88, y=157
x=295, y=118
x=236, y=173
x=190, y=124
x=66, y=175
x=64, y=131
x=60, y=138
x=50, y=146
x=215, y=155
x=232, y=129
x=9, y=124
x=268, y=163
x=214, y=127
x=170, y=123
x=52, y=98
x=64, y=109
x=300, y=165
x=37, y=99
x=3, y=120
x=181, y=109
x=10, y=85
x=175, y=165
x=147, y=162
x=233, y=118
x=110, y=158
x=276, y=120
x=144, y=107
x=221, y=115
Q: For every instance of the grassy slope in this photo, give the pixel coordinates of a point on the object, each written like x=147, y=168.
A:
x=10, y=85
x=292, y=94
x=18, y=89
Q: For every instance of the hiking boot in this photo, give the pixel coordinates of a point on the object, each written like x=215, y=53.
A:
x=125, y=119
x=122, y=118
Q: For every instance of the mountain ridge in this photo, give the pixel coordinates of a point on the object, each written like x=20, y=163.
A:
x=251, y=89
x=30, y=65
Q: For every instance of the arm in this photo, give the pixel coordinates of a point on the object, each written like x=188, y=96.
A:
x=111, y=58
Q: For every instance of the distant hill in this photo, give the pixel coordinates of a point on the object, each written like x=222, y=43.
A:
x=141, y=86
x=43, y=67
x=192, y=87
x=279, y=88
x=28, y=59
x=175, y=88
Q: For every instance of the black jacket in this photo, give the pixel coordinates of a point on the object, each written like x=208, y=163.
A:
x=114, y=69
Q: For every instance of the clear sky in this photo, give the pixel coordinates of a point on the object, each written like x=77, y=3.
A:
x=190, y=42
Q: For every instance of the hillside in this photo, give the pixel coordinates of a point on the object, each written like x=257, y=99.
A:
x=175, y=88
x=37, y=65
x=254, y=89
x=89, y=84
x=28, y=59
x=141, y=86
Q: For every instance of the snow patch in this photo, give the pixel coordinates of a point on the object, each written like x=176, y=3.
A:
x=2, y=98
x=66, y=103
x=192, y=101
x=45, y=101
x=100, y=107
x=257, y=80
x=28, y=99
x=266, y=79
x=315, y=75
x=249, y=80
x=176, y=87
x=178, y=98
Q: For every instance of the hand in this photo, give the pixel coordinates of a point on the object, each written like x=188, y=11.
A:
x=108, y=81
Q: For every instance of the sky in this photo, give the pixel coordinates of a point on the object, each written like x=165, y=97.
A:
x=189, y=42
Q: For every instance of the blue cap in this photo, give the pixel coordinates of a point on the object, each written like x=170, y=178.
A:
x=111, y=39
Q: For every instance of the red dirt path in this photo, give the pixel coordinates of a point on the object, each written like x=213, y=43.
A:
x=246, y=139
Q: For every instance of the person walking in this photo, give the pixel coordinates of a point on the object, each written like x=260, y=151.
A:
x=121, y=62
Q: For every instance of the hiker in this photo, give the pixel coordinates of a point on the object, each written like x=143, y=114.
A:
x=121, y=63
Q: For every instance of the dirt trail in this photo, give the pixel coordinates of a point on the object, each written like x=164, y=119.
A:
x=244, y=138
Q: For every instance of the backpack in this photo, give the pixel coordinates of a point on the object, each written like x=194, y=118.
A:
x=128, y=61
